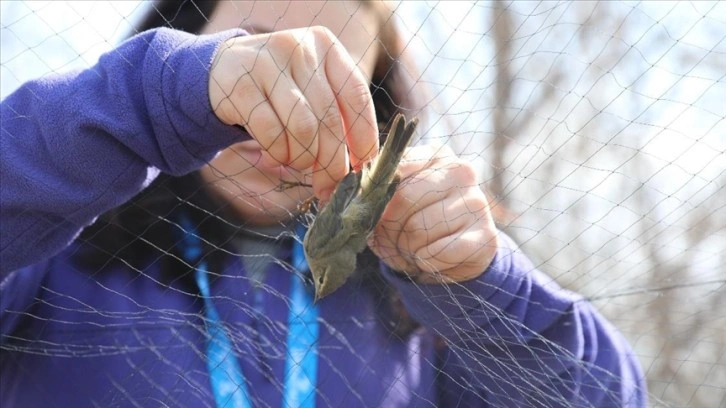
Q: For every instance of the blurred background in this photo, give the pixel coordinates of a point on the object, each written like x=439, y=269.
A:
x=599, y=129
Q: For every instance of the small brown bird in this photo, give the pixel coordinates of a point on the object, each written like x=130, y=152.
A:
x=341, y=229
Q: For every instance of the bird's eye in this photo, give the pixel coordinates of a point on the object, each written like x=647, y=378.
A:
x=320, y=280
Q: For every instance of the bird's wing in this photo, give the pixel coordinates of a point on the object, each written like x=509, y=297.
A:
x=344, y=193
x=326, y=235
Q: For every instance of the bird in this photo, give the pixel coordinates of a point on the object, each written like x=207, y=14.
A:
x=341, y=229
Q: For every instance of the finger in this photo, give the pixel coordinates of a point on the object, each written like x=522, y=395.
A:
x=330, y=171
x=433, y=223
x=432, y=202
x=449, y=237
x=331, y=163
x=417, y=190
x=354, y=101
x=460, y=247
x=298, y=143
x=265, y=127
x=456, y=257
x=387, y=252
x=449, y=217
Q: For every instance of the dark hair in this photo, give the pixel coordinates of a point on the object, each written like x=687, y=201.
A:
x=144, y=229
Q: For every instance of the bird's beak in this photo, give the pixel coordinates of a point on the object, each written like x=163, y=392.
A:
x=317, y=296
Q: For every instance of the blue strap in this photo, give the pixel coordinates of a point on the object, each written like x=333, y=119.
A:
x=225, y=375
x=228, y=382
x=301, y=365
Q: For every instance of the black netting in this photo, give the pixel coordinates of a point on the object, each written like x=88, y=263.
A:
x=574, y=152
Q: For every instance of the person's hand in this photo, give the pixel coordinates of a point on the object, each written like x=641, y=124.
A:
x=301, y=97
x=438, y=227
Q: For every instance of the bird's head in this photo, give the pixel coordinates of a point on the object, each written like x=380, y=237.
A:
x=330, y=272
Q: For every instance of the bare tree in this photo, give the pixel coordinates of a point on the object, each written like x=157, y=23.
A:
x=591, y=194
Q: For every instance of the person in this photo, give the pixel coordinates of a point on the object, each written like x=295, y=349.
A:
x=150, y=257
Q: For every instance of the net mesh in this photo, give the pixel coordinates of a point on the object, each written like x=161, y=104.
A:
x=597, y=131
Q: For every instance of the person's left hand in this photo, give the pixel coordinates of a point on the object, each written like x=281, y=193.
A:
x=438, y=227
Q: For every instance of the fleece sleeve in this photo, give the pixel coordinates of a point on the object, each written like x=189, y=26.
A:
x=78, y=144
x=515, y=338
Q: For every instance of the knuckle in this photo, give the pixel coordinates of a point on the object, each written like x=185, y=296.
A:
x=284, y=41
x=461, y=172
x=271, y=136
x=303, y=126
x=478, y=201
x=468, y=173
x=307, y=57
x=302, y=50
x=332, y=121
x=323, y=33
x=246, y=87
x=246, y=97
x=475, y=207
x=416, y=223
x=358, y=96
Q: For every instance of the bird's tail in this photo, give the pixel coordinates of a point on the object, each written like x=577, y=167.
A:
x=384, y=166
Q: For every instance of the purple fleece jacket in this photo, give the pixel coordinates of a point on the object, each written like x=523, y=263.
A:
x=78, y=144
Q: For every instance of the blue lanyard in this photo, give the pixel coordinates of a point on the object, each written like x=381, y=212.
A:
x=228, y=383
x=301, y=364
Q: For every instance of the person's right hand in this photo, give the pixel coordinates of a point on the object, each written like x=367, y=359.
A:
x=301, y=97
